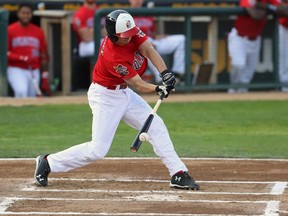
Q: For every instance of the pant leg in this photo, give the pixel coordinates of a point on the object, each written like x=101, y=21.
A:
x=237, y=54
x=33, y=74
x=108, y=107
x=173, y=44
x=18, y=79
x=86, y=49
x=283, y=56
x=137, y=113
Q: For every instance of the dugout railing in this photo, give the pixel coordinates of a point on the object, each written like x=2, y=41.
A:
x=188, y=13
x=3, y=51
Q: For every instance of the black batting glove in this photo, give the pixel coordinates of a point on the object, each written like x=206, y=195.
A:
x=163, y=90
x=168, y=78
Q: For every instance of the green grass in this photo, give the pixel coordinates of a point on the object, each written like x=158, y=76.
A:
x=256, y=129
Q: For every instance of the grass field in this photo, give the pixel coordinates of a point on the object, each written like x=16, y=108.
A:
x=256, y=129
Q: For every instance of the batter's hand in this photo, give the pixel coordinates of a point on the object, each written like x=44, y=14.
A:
x=168, y=78
x=164, y=90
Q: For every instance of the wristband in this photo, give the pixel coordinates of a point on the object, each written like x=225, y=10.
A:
x=163, y=73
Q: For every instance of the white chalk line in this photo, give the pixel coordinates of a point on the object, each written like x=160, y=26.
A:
x=160, y=181
x=31, y=189
x=272, y=208
x=111, y=214
x=6, y=203
x=278, y=188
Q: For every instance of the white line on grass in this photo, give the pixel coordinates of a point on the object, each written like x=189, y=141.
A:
x=278, y=188
x=272, y=208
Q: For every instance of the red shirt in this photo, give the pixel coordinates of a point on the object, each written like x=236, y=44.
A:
x=116, y=63
x=83, y=18
x=146, y=24
x=26, y=41
x=246, y=25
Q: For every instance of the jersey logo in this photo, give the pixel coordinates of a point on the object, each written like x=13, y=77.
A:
x=141, y=34
x=138, y=60
x=120, y=69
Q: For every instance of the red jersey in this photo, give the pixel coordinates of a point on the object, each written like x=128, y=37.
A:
x=246, y=25
x=146, y=24
x=83, y=18
x=26, y=41
x=116, y=63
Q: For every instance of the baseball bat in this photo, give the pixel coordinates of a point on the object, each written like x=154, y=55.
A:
x=137, y=143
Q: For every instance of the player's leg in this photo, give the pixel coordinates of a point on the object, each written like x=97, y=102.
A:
x=283, y=55
x=33, y=74
x=253, y=51
x=237, y=53
x=86, y=49
x=137, y=112
x=173, y=44
x=18, y=79
x=107, y=108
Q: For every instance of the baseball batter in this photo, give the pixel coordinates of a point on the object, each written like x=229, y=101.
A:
x=83, y=25
x=244, y=40
x=283, y=52
x=164, y=44
x=121, y=61
x=27, y=55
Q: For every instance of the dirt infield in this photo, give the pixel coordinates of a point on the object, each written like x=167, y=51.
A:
x=188, y=97
x=140, y=186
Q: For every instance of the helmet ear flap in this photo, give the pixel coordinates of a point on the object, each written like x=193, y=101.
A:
x=113, y=38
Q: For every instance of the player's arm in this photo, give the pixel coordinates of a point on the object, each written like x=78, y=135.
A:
x=86, y=34
x=259, y=9
x=140, y=85
x=148, y=50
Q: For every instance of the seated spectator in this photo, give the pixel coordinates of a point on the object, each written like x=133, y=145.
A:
x=27, y=56
x=164, y=44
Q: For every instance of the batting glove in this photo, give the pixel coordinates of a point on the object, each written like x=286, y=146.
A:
x=163, y=90
x=168, y=78
x=45, y=87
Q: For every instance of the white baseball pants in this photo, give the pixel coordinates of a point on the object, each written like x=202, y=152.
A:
x=244, y=54
x=283, y=56
x=167, y=45
x=86, y=48
x=21, y=81
x=109, y=107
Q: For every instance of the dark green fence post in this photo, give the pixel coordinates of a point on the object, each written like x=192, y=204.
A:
x=276, y=52
x=188, y=34
x=3, y=52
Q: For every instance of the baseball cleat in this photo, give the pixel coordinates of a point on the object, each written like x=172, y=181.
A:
x=42, y=170
x=182, y=180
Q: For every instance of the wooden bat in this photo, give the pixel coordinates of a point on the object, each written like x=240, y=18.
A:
x=137, y=142
x=35, y=83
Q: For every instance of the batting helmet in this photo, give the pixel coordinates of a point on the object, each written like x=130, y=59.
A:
x=120, y=23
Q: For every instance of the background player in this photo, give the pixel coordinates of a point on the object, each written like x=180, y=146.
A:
x=27, y=55
x=244, y=40
x=164, y=44
x=83, y=25
x=121, y=61
x=283, y=51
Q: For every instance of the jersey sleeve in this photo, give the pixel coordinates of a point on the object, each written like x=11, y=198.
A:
x=78, y=21
x=275, y=2
x=139, y=39
x=247, y=3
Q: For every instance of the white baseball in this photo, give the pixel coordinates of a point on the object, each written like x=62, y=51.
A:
x=143, y=137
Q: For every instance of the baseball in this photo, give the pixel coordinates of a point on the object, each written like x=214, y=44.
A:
x=143, y=137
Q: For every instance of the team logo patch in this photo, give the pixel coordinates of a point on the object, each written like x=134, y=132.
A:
x=120, y=69
x=128, y=24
